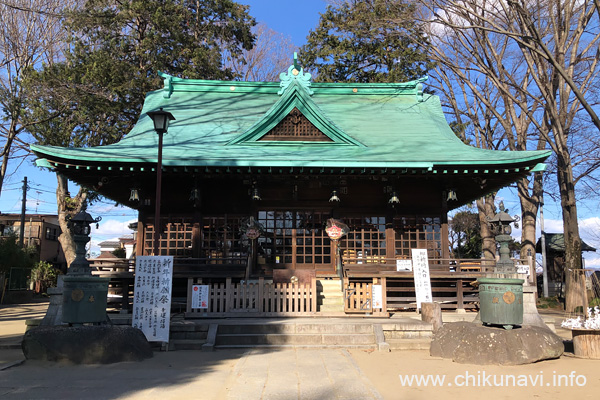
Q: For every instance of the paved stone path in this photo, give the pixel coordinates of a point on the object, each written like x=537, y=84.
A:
x=300, y=374
x=224, y=374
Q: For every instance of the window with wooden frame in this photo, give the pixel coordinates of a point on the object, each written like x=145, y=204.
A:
x=313, y=246
x=418, y=233
x=221, y=240
x=295, y=238
x=175, y=241
x=277, y=243
x=366, y=241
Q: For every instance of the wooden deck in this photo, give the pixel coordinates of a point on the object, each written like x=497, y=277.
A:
x=453, y=283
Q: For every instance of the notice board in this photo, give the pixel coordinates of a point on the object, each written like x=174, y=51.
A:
x=152, y=296
x=420, y=264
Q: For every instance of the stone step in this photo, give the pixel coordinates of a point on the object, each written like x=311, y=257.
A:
x=331, y=308
x=292, y=328
x=301, y=346
x=408, y=334
x=407, y=326
x=295, y=339
x=408, y=344
x=183, y=344
x=330, y=285
x=333, y=300
x=185, y=326
x=331, y=294
x=174, y=335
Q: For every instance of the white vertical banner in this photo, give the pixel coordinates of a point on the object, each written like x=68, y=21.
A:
x=152, y=296
x=420, y=265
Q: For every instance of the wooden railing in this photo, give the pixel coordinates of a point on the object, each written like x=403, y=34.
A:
x=255, y=299
x=382, y=263
x=121, y=273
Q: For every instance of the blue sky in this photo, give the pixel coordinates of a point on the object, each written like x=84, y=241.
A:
x=294, y=19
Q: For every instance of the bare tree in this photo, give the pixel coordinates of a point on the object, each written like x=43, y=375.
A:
x=482, y=79
x=30, y=35
x=271, y=55
x=557, y=42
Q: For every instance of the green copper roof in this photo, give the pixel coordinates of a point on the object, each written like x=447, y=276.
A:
x=556, y=242
x=219, y=123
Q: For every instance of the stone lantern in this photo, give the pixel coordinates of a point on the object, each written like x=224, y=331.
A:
x=500, y=225
x=84, y=295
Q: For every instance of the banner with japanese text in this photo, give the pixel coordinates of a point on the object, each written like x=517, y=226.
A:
x=420, y=264
x=152, y=296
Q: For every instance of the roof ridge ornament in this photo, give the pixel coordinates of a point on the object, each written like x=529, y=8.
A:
x=419, y=88
x=168, y=82
x=295, y=73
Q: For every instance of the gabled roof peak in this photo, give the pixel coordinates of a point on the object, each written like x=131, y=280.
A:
x=295, y=74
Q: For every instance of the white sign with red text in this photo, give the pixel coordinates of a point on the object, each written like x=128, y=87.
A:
x=200, y=296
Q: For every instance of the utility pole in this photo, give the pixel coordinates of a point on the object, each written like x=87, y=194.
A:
x=23, y=209
x=543, y=242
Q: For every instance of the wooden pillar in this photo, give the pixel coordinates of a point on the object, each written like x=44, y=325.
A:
x=459, y=294
x=196, y=235
x=229, y=295
x=384, y=294
x=141, y=234
x=313, y=294
x=444, y=228
x=261, y=294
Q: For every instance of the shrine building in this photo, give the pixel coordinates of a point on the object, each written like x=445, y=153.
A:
x=290, y=155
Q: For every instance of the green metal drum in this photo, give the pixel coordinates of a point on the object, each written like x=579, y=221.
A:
x=501, y=301
x=84, y=299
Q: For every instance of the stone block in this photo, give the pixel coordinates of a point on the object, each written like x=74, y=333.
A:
x=470, y=343
x=95, y=344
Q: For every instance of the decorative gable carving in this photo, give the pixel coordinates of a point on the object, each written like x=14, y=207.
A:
x=295, y=127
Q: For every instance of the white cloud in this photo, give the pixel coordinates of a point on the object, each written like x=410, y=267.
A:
x=112, y=229
x=592, y=260
x=104, y=208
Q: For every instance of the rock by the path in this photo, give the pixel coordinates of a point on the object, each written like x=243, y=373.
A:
x=469, y=343
x=96, y=344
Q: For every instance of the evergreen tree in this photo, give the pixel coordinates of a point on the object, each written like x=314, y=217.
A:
x=367, y=41
x=466, y=233
x=116, y=49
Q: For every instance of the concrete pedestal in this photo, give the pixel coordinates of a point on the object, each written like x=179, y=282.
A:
x=54, y=313
x=530, y=312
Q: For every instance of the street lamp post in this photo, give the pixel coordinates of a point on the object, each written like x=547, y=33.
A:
x=161, y=121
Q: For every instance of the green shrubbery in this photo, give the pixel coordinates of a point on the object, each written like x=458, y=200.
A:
x=13, y=256
x=43, y=276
